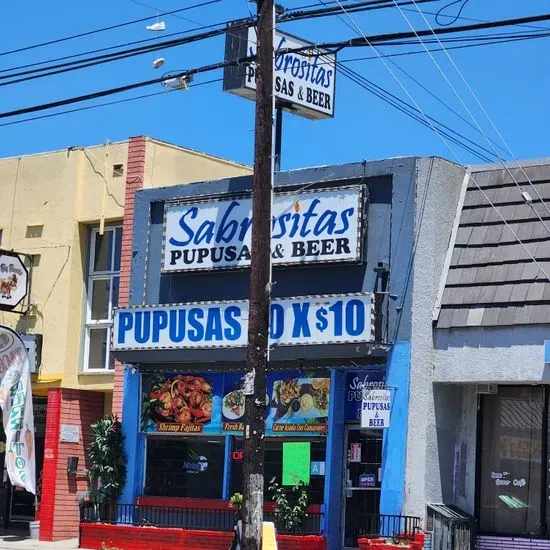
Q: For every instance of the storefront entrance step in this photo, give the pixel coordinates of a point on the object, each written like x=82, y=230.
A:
x=16, y=541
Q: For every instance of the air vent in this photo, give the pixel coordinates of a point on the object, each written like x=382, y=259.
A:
x=118, y=170
x=34, y=231
x=487, y=388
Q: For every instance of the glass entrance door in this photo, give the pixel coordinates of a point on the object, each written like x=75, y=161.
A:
x=362, y=481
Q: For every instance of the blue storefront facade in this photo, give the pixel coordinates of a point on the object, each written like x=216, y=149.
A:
x=345, y=248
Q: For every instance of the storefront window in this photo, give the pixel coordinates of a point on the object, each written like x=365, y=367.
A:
x=273, y=466
x=511, y=453
x=184, y=467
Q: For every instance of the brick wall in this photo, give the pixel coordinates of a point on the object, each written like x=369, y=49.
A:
x=511, y=543
x=135, y=171
x=95, y=535
x=59, y=517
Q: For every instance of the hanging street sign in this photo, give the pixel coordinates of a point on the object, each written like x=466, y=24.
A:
x=309, y=227
x=376, y=408
x=334, y=319
x=14, y=280
x=304, y=81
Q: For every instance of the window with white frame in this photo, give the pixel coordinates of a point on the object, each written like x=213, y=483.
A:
x=102, y=289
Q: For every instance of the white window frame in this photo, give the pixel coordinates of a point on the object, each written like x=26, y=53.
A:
x=92, y=276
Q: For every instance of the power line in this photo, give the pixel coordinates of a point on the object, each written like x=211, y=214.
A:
x=451, y=150
x=95, y=31
x=363, y=41
x=105, y=104
x=474, y=95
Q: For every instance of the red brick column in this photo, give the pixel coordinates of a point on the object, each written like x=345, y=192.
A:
x=135, y=171
x=49, y=475
x=59, y=514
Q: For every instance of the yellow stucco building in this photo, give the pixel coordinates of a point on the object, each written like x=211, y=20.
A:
x=65, y=210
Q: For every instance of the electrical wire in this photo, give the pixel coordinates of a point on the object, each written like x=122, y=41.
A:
x=459, y=97
x=451, y=150
x=453, y=17
x=95, y=31
x=363, y=41
x=105, y=104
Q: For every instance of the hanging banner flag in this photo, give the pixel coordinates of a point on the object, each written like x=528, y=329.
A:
x=376, y=409
x=16, y=404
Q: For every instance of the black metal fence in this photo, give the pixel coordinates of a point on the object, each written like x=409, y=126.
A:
x=389, y=526
x=185, y=518
x=450, y=528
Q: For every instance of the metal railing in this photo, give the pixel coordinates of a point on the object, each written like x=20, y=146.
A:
x=185, y=518
x=389, y=526
x=450, y=528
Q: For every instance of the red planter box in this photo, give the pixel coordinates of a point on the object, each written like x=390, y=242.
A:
x=417, y=543
x=122, y=537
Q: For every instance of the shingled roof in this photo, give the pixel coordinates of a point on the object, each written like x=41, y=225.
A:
x=492, y=280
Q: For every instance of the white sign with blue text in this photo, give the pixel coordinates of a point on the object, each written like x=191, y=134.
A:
x=293, y=321
x=313, y=226
x=306, y=79
x=376, y=408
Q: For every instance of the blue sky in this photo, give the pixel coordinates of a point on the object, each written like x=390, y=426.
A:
x=511, y=80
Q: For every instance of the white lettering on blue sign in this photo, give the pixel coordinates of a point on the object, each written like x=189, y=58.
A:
x=317, y=226
x=293, y=321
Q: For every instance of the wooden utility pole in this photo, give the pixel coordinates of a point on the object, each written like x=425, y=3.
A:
x=260, y=285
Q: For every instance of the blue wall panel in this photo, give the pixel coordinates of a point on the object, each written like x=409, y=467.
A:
x=395, y=438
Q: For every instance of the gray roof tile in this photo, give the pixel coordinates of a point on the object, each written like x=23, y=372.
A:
x=445, y=318
x=484, y=274
x=543, y=249
x=490, y=316
x=478, y=235
x=475, y=316
x=519, y=292
x=540, y=314
x=514, y=272
x=453, y=276
x=494, y=233
x=463, y=235
x=487, y=294
x=502, y=293
x=523, y=314
x=468, y=276
x=460, y=316
x=507, y=315
x=535, y=292
x=482, y=255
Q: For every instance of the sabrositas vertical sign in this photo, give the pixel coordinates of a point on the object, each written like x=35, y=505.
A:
x=17, y=412
x=308, y=227
x=304, y=81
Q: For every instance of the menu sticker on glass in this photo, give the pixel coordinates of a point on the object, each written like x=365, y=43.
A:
x=296, y=462
x=181, y=403
x=299, y=405
x=232, y=404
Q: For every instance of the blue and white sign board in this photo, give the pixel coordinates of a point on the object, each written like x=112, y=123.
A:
x=293, y=321
x=376, y=408
x=304, y=81
x=308, y=227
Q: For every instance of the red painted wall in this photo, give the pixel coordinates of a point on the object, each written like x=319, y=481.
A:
x=135, y=171
x=94, y=535
x=59, y=515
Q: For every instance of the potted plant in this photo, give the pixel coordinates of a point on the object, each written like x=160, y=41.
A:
x=107, y=463
x=290, y=505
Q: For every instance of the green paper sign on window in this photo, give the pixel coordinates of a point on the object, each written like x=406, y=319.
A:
x=296, y=462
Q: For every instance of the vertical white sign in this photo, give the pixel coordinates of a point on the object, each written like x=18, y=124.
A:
x=16, y=404
x=376, y=409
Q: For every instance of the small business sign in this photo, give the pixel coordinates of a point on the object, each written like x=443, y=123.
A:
x=376, y=408
x=304, y=81
x=367, y=480
x=309, y=227
x=317, y=468
x=69, y=433
x=355, y=452
x=14, y=280
x=293, y=321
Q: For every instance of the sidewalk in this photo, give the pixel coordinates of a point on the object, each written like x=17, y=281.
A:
x=18, y=541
